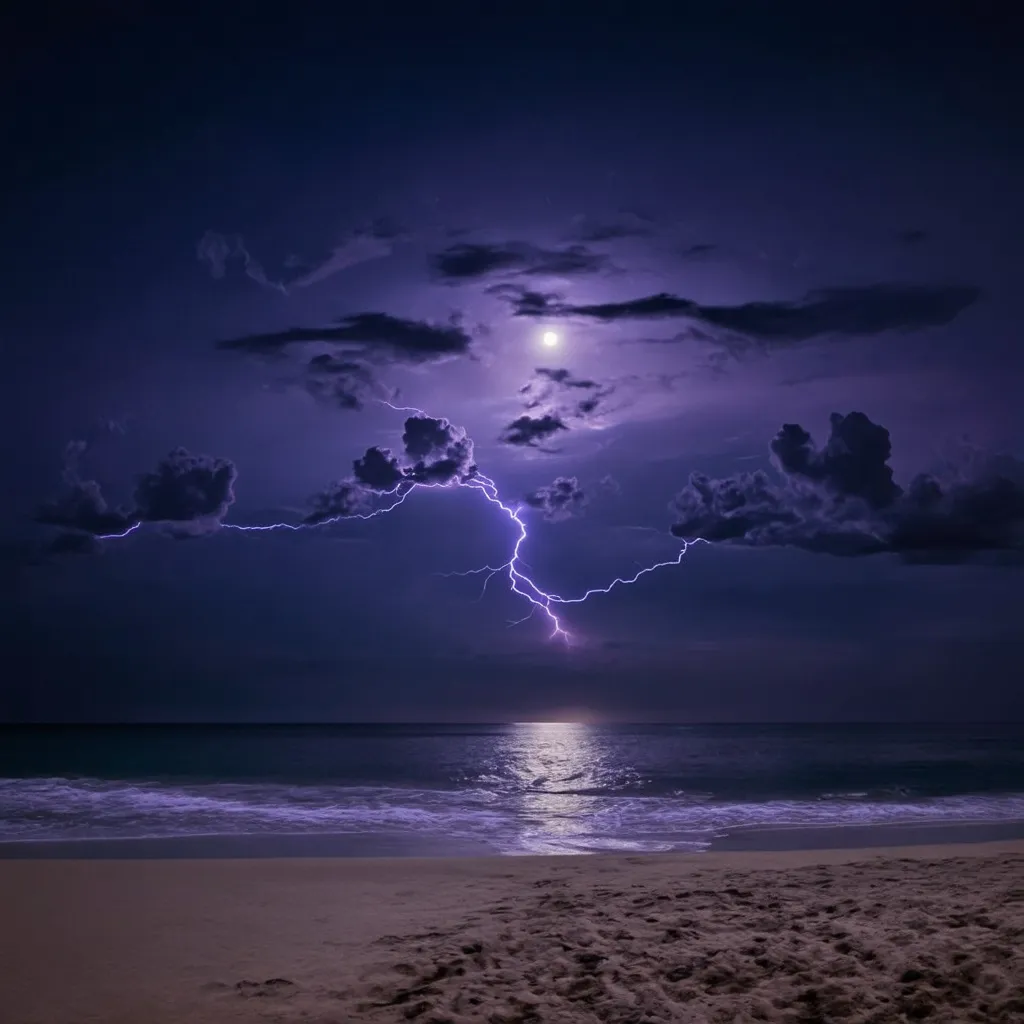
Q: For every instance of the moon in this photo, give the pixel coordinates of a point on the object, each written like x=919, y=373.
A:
x=549, y=338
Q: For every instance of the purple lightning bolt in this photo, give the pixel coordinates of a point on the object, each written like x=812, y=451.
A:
x=524, y=586
x=119, y=536
x=519, y=582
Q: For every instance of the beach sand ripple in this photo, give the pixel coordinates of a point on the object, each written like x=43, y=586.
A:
x=900, y=940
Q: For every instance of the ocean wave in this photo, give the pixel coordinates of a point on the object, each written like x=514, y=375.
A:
x=536, y=821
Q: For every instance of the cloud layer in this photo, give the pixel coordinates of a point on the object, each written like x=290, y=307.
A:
x=189, y=494
x=827, y=312
x=374, y=336
x=841, y=499
x=557, y=390
x=552, y=398
x=555, y=400
x=344, y=376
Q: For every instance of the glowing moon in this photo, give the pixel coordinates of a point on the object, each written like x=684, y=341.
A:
x=549, y=338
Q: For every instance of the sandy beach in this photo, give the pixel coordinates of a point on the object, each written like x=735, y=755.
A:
x=918, y=933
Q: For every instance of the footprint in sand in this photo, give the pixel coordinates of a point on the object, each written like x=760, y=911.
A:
x=262, y=989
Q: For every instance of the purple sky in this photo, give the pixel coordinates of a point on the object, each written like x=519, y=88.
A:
x=732, y=223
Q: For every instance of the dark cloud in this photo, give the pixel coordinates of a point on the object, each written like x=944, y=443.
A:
x=833, y=311
x=440, y=452
x=853, y=464
x=532, y=431
x=913, y=236
x=424, y=435
x=842, y=500
x=83, y=508
x=958, y=522
x=339, y=382
x=526, y=301
x=561, y=499
x=468, y=261
x=563, y=377
x=562, y=397
x=191, y=493
x=378, y=470
x=374, y=336
x=845, y=311
x=529, y=303
x=436, y=452
x=187, y=489
x=554, y=399
x=471, y=261
x=567, y=262
x=343, y=499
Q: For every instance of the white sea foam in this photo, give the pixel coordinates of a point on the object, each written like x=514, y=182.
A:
x=524, y=822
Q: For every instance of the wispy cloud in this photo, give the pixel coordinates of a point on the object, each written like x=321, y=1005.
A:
x=473, y=261
x=373, y=242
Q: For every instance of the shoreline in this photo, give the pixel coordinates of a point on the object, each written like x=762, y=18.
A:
x=869, y=933
x=346, y=846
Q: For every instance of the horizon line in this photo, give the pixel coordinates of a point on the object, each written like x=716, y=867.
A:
x=233, y=723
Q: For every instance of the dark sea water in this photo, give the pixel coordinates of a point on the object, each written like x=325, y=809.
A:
x=505, y=789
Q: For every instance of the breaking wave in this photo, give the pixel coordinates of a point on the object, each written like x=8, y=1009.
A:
x=542, y=818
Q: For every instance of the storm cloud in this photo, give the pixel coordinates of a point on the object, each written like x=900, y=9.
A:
x=378, y=470
x=84, y=508
x=186, y=489
x=341, y=500
x=435, y=453
x=561, y=499
x=826, y=312
x=440, y=452
x=841, y=499
x=189, y=493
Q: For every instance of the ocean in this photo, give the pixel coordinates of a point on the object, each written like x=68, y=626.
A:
x=500, y=789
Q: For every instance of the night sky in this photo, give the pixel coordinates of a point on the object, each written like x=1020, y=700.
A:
x=779, y=249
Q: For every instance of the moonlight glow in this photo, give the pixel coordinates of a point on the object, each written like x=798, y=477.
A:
x=549, y=338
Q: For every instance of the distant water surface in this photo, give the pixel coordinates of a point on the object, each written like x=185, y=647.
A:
x=505, y=789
